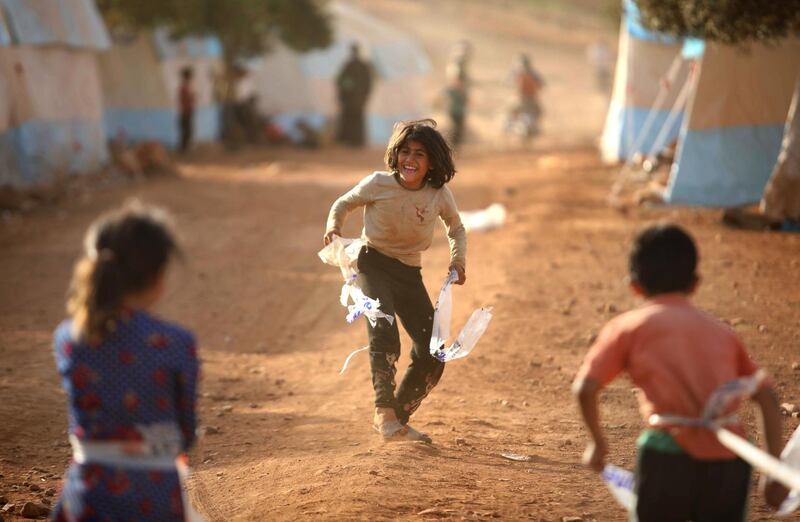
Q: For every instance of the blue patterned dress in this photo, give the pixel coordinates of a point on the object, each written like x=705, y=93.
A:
x=144, y=374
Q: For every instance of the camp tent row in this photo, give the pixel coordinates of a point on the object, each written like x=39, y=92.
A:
x=65, y=89
x=731, y=116
x=50, y=95
x=140, y=76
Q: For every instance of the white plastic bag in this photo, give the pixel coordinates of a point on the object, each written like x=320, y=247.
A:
x=621, y=483
x=493, y=216
x=363, y=305
x=343, y=253
x=791, y=456
x=440, y=332
x=442, y=314
x=468, y=338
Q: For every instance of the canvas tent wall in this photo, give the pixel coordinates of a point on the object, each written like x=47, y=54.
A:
x=140, y=78
x=291, y=86
x=50, y=98
x=649, y=72
x=734, y=124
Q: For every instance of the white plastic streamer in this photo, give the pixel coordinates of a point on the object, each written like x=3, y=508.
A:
x=715, y=417
x=440, y=332
x=343, y=253
x=791, y=456
x=350, y=357
x=621, y=484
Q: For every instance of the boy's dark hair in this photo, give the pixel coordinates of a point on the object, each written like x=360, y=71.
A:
x=663, y=259
x=125, y=251
x=187, y=73
x=439, y=152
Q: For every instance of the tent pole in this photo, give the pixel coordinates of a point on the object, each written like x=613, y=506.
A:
x=627, y=167
x=680, y=103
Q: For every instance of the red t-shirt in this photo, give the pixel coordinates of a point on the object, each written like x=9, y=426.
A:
x=677, y=356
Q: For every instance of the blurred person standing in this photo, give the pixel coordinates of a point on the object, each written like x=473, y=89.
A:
x=457, y=90
x=186, y=104
x=353, y=87
x=526, y=112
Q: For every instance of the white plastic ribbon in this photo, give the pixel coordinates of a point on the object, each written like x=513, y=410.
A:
x=350, y=357
x=440, y=332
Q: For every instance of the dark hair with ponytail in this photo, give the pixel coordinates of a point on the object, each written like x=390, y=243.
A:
x=125, y=252
x=442, y=168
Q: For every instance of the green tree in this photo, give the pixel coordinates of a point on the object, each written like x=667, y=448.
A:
x=245, y=28
x=736, y=22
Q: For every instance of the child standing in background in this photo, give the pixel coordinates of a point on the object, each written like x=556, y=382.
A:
x=130, y=378
x=186, y=107
x=401, y=208
x=677, y=356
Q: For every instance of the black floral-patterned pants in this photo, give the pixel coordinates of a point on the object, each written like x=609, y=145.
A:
x=402, y=294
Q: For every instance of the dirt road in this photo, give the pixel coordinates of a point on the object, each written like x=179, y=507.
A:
x=292, y=438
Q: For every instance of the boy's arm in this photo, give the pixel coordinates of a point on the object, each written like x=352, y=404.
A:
x=767, y=400
x=587, y=391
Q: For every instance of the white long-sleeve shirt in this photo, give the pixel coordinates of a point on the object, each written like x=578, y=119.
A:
x=399, y=222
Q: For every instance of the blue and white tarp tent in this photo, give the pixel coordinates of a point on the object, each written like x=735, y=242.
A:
x=734, y=123
x=141, y=75
x=292, y=86
x=50, y=97
x=649, y=75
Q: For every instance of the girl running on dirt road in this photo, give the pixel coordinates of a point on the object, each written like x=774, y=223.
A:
x=401, y=207
x=130, y=378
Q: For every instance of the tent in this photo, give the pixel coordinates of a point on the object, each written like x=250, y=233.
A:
x=734, y=123
x=50, y=97
x=140, y=77
x=648, y=86
x=292, y=86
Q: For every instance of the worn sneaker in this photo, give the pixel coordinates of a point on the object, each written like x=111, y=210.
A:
x=385, y=422
x=417, y=435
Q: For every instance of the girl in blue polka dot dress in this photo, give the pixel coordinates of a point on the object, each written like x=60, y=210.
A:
x=130, y=378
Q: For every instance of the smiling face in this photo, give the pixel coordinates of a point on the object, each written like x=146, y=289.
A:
x=412, y=164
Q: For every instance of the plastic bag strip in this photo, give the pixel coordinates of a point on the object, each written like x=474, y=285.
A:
x=472, y=331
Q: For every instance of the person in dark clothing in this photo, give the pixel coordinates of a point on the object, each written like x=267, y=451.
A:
x=186, y=104
x=353, y=86
x=457, y=90
x=456, y=94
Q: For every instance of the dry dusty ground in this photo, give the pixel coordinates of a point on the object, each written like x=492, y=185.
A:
x=296, y=442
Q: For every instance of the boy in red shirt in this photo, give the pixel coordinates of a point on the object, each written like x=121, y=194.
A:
x=677, y=356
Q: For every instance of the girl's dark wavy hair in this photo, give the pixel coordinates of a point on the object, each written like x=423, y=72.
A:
x=125, y=252
x=440, y=155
